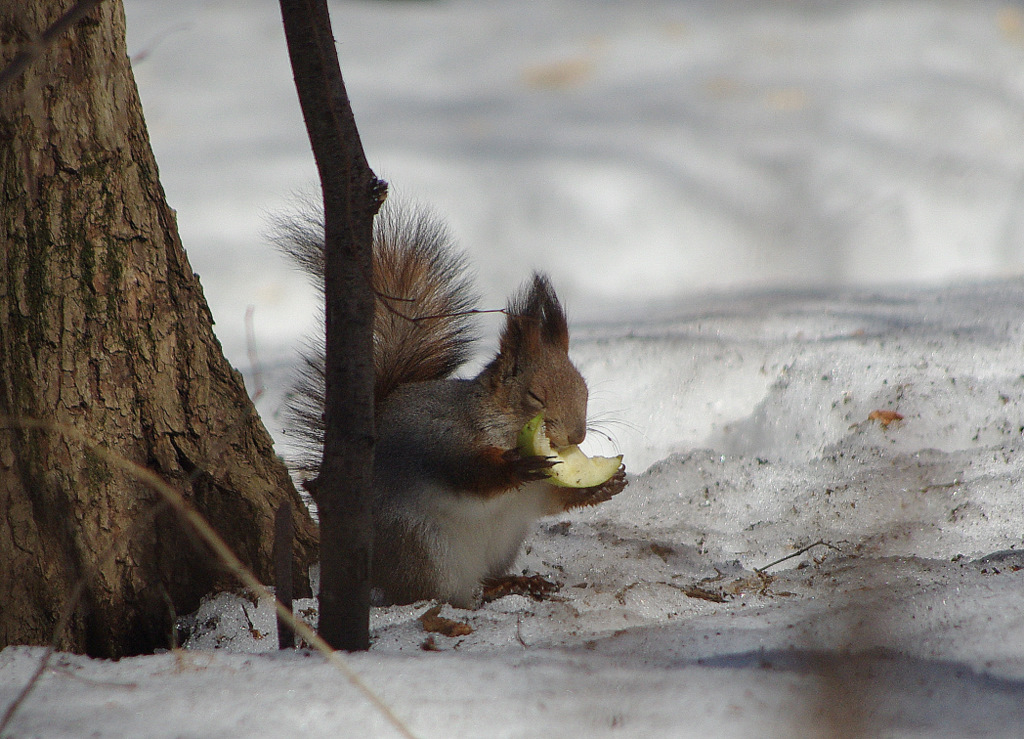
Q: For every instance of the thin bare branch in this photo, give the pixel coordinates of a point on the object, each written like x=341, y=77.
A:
x=797, y=553
x=385, y=301
x=284, y=536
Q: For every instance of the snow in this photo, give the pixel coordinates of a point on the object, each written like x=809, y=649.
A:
x=769, y=221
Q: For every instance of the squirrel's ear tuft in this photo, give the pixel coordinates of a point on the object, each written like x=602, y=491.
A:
x=537, y=309
x=534, y=322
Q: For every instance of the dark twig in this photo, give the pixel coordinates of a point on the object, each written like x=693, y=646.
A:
x=385, y=301
x=519, y=631
x=797, y=553
x=284, y=536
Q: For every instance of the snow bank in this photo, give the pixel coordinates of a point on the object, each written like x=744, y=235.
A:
x=672, y=620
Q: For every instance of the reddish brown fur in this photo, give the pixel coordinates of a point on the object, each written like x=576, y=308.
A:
x=532, y=372
x=493, y=472
x=421, y=330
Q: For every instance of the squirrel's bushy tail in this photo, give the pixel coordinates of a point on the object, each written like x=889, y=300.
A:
x=421, y=325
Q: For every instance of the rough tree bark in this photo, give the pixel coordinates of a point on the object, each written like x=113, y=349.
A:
x=104, y=328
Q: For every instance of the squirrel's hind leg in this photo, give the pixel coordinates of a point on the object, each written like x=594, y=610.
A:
x=532, y=586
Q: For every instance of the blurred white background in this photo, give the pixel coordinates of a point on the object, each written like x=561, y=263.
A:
x=635, y=150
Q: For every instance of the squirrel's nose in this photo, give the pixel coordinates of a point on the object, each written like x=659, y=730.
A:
x=576, y=436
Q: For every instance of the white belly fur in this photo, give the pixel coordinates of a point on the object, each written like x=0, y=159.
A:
x=476, y=538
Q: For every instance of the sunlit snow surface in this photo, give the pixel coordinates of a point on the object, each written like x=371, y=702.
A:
x=908, y=621
x=645, y=157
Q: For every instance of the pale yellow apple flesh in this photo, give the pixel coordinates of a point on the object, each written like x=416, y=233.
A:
x=573, y=468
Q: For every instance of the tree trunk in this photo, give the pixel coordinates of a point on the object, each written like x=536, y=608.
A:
x=352, y=196
x=104, y=328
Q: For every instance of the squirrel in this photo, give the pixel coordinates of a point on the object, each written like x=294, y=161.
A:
x=453, y=498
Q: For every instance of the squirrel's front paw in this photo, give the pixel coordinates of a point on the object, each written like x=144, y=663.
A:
x=527, y=467
x=612, y=486
x=580, y=497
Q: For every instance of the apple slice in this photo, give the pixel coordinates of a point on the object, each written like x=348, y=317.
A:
x=574, y=469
